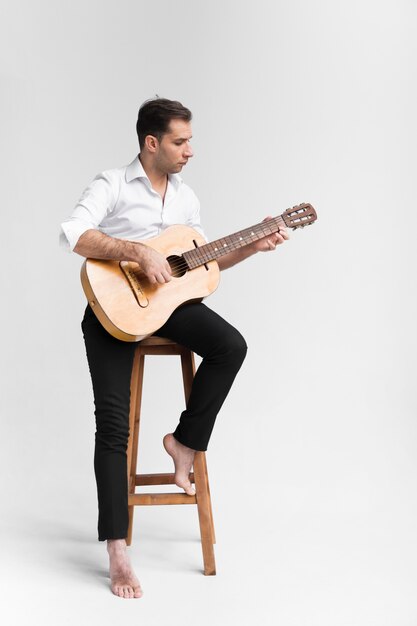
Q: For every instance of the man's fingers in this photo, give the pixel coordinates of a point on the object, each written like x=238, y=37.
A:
x=160, y=277
x=282, y=235
x=163, y=277
x=278, y=239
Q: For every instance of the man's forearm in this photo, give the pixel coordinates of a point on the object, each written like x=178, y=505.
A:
x=269, y=242
x=94, y=244
x=230, y=259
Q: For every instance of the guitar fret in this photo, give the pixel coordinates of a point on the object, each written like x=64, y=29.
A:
x=215, y=249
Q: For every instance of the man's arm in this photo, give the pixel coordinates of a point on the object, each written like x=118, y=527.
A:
x=94, y=244
x=270, y=242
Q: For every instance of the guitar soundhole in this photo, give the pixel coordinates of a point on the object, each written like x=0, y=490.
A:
x=178, y=265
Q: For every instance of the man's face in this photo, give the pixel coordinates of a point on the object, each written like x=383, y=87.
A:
x=174, y=149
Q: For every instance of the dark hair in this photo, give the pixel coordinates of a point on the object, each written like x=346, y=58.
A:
x=155, y=115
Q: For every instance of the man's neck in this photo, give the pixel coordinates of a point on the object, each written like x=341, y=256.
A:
x=158, y=179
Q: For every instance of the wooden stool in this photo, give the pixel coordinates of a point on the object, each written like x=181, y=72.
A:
x=161, y=346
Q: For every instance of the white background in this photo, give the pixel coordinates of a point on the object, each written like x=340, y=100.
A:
x=312, y=460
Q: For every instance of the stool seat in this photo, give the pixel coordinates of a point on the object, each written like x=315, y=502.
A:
x=161, y=346
x=157, y=341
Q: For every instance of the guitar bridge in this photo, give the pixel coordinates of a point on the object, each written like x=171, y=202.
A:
x=132, y=279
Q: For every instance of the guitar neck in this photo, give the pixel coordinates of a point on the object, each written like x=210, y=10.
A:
x=215, y=249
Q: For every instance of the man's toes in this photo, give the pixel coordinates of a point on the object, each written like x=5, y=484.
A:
x=189, y=489
x=138, y=592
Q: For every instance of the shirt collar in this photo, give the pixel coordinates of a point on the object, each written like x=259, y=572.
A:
x=135, y=170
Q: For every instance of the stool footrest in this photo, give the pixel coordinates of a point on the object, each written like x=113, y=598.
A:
x=160, y=498
x=158, y=479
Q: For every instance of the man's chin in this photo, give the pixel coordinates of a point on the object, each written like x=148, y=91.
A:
x=177, y=168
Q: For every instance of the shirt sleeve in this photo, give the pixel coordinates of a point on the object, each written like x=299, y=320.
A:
x=96, y=201
x=194, y=219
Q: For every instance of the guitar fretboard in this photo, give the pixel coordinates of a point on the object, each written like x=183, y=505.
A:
x=218, y=248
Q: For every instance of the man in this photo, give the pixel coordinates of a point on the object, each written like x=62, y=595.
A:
x=135, y=203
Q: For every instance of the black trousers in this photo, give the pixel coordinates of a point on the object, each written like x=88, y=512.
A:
x=110, y=361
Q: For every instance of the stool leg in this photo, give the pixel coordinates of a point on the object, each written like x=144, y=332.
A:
x=188, y=371
x=213, y=536
x=134, y=424
x=205, y=514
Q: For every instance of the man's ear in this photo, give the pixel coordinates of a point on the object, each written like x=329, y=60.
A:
x=151, y=143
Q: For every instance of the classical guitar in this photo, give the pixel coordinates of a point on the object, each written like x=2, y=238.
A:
x=131, y=308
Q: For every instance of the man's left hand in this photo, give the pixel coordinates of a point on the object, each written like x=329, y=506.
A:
x=270, y=242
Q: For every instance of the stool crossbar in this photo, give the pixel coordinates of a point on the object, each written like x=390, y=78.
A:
x=161, y=346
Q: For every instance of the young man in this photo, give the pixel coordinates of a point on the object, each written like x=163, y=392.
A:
x=135, y=203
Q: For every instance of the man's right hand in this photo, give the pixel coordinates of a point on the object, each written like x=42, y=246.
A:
x=94, y=244
x=153, y=264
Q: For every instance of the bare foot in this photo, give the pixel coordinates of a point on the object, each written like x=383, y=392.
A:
x=123, y=580
x=183, y=462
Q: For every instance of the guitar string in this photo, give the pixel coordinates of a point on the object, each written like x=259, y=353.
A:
x=259, y=229
x=262, y=229
x=182, y=264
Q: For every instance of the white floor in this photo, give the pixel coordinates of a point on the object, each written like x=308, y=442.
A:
x=291, y=550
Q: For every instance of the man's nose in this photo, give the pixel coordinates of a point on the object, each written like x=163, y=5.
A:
x=188, y=151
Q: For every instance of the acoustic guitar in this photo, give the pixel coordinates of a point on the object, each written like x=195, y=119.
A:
x=131, y=308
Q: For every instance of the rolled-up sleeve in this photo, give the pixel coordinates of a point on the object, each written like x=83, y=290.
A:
x=96, y=201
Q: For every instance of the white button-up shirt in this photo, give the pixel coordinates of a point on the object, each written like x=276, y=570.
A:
x=122, y=203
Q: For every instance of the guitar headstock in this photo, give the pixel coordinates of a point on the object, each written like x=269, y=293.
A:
x=299, y=216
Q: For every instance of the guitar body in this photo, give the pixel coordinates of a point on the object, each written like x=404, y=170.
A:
x=131, y=308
